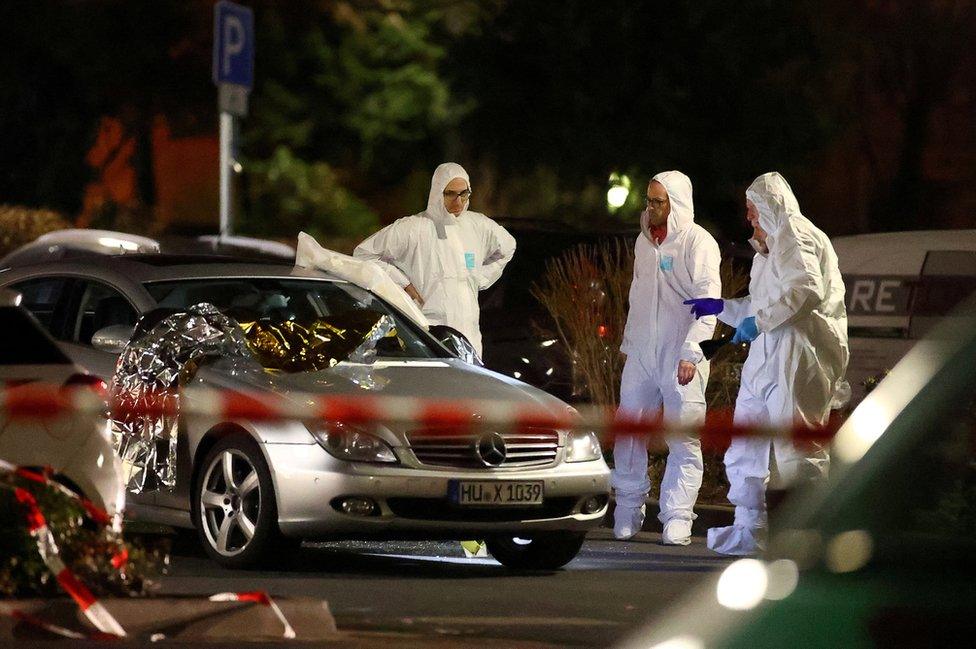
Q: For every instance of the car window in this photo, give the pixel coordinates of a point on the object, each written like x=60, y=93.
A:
x=948, y=277
x=279, y=299
x=41, y=297
x=100, y=306
x=23, y=343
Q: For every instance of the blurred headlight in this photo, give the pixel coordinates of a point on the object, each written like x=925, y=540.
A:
x=350, y=444
x=582, y=447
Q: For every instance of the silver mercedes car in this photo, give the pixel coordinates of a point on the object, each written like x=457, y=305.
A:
x=252, y=489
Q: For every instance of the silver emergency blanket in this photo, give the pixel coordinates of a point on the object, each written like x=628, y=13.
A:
x=366, y=352
x=162, y=358
x=149, y=373
x=359, y=370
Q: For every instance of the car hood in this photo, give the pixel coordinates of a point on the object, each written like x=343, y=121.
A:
x=440, y=379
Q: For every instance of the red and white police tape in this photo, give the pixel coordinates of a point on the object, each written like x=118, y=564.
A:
x=98, y=515
x=108, y=627
x=48, y=549
x=35, y=401
x=258, y=597
x=46, y=402
x=96, y=613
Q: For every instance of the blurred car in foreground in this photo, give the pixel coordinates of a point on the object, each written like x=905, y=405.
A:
x=248, y=485
x=77, y=450
x=880, y=554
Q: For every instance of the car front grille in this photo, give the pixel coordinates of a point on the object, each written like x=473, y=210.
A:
x=526, y=448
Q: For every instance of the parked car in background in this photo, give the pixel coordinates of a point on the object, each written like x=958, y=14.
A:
x=518, y=333
x=899, y=284
x=881, y=553
x=232, y=245
x=77, y=450
x=247, y=485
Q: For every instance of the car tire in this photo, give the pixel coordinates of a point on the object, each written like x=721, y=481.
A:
x=236, y=521
x=539, y=551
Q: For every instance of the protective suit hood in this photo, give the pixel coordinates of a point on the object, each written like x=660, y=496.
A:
x=436, y=211
x=774, y=199
x=682, y=206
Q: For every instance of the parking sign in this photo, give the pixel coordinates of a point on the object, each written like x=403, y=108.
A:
x=233, y=46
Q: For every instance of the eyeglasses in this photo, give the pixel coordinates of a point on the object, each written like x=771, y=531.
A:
x=463, y=195
x=656, y=202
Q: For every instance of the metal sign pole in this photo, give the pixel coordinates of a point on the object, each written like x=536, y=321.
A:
x=233, y=72
x=226, y=174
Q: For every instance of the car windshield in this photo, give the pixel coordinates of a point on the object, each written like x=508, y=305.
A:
x=278, y=299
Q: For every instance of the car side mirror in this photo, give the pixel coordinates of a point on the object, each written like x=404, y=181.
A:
x=457, y=344
x=112, y=338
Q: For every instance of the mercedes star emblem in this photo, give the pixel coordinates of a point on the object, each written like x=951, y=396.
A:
x=491, y=449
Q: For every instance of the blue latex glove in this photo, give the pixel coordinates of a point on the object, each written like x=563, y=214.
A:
x=703, y=306
x=747, y=331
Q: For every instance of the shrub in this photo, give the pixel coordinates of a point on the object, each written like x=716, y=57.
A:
x=585, y=291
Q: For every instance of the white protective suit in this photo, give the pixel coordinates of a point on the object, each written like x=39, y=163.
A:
x=660, y=331
x=795, y=368
x=447, y=258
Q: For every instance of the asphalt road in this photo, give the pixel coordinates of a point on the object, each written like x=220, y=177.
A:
x=426, y=594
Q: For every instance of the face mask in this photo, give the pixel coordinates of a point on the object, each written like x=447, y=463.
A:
x=759, y=247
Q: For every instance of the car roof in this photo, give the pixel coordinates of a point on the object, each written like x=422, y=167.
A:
x=163, y=267
x=896, y=253
x=84, y=243
x=75, y=243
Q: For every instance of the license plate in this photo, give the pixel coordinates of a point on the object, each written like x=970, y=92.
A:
x=470, y=492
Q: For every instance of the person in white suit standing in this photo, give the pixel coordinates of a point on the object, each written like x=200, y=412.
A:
x=675, y=260
x=443, y=256
x=795, y=318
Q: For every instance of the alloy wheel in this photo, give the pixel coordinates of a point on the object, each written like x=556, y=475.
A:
x=230, y=502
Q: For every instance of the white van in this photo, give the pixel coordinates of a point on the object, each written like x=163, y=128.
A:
x=898, y=285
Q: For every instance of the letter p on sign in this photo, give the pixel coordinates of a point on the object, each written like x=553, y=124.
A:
x=233, y=48
x=233, y=38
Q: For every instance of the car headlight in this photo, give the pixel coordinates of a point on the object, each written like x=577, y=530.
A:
x=350, y=444
x=582, y=446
